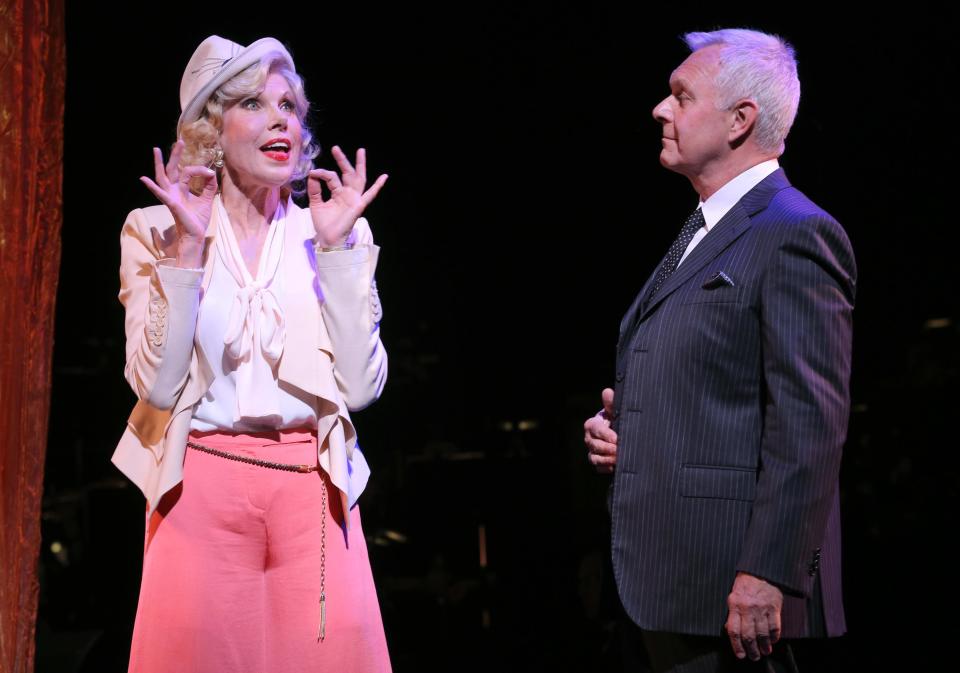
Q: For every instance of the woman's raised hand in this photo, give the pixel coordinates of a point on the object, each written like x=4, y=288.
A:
x=333, y=218
x=191, y=212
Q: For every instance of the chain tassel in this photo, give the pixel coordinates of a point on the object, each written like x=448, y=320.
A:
x=322, y=633
x=322, y=630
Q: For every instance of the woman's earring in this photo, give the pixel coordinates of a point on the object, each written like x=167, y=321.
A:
x=218, y=158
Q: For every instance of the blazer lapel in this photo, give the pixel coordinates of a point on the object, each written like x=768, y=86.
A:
x=307, y=347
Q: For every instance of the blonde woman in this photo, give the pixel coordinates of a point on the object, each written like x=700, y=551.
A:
x=252, y=329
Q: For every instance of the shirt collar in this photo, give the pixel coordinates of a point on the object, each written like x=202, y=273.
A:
x=725, y=198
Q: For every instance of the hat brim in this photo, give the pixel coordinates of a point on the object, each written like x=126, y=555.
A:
x=253, y=53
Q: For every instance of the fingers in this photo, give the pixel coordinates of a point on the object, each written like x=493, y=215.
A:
x=160, y=193
x=601, y=443
x=362, y=165
x=331, y=178
x=190, y=172
x=748, y=635
x=173, y=166
x=210, y=187
x=733, y=633
x=208, y=175
x=598, y=427
x=161, y=190
x=602, y=464
x=169, y=174
x=753, y=624
x=343, y=163
x=159, y=171
x=355, y=177
x=600, y=448
x=764, y=645
x=600, y=461
x=607, y=397
x=742, y=632
x=774, y=622
x=314, y=190
x=371, y=193
x=750, y=632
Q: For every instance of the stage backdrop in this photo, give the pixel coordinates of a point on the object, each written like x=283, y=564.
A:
x=32, y=69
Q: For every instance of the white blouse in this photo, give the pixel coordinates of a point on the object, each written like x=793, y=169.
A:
x=241, y=328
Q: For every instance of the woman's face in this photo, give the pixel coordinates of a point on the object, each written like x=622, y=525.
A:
x=261, y=136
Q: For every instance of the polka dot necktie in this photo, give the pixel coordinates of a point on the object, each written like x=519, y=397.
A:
x=675, y=253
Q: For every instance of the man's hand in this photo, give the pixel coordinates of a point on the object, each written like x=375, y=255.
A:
x=753, y=624
x=601, y=441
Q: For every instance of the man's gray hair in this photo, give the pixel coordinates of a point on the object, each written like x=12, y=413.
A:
x=760, y=67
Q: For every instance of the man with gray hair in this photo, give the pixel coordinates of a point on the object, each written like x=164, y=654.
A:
x=729, y=413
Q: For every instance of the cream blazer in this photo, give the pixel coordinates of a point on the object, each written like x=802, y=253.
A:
x=332, y=348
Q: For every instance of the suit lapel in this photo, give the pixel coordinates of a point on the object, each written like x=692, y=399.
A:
x=730, y=227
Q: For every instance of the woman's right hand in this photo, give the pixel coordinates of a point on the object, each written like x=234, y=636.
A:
x=191, y=212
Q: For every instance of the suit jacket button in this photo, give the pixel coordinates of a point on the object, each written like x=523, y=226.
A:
x=619, y=377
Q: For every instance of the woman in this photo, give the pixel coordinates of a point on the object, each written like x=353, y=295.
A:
x=252, y=326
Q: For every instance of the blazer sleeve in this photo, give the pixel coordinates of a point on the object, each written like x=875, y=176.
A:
x=161, y=303
x=351, y=314
x=807, y=296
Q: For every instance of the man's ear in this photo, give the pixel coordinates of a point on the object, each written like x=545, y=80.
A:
x=743, y=120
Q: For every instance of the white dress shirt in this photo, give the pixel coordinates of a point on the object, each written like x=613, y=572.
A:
x=725, y=198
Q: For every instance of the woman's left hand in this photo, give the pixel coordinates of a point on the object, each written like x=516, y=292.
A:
x=333, y=218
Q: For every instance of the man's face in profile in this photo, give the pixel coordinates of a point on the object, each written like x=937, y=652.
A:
x=694, y=131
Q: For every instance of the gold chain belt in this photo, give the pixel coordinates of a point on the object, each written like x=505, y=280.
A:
x=285, y=467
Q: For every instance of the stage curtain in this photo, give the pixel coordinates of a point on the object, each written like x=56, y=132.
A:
x=32, y=71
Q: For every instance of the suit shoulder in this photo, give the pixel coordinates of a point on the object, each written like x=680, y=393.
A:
x=790, y=206
x=795, y=223
x=791, y=215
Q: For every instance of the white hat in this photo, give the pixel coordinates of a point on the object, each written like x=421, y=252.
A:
x=214, y=62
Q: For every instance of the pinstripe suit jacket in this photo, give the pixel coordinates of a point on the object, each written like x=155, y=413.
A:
x=732, y=401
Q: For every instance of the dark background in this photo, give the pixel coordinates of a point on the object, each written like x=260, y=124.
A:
x=525, y=208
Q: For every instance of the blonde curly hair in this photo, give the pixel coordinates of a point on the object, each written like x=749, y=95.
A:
x=201, y=137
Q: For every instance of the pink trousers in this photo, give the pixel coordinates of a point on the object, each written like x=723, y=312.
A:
x=232, y=569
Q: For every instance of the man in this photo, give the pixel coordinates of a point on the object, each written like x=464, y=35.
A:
x=725, y=429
